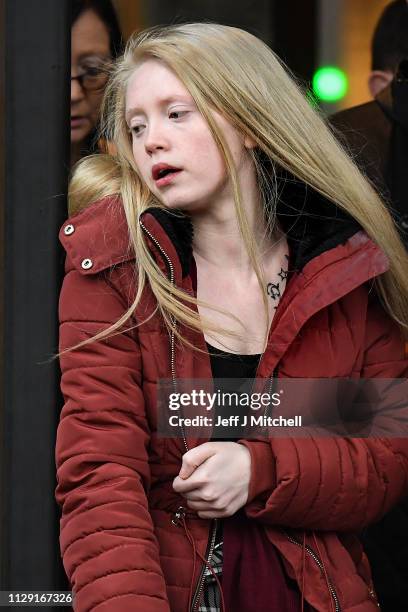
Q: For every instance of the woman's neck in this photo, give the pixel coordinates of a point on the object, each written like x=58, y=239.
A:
x=217, y=236
x=76, y=152
x=220, y=240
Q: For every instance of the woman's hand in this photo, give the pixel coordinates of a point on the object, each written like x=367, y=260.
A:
x=214, y=478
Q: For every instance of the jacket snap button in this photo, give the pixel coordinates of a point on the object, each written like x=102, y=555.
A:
x=86, y=264
x=69, y=229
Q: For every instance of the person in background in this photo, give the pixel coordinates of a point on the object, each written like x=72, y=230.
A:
x=95, y=40
x=377, y=134
x=389, y=46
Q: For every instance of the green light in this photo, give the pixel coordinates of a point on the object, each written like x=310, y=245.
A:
x=329, y=84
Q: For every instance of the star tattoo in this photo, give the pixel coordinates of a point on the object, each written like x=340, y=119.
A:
x=283, y=274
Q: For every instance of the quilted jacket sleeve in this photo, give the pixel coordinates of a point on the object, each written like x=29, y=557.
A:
x=109, y=549
x=340, y=484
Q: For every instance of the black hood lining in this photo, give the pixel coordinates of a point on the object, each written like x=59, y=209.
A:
x=179, y=229
x=312, y=224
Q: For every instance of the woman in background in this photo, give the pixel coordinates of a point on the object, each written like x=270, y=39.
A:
x=95, y=40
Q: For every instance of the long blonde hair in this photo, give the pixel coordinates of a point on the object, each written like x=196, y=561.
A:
x=233, y=72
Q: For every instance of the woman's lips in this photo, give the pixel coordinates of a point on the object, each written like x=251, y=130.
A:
x=78, y=122
x=166, y=180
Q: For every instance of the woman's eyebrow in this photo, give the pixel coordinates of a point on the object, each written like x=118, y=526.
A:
x=137, y=110
x=100, y=55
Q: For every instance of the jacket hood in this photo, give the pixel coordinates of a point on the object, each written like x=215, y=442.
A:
x=99, y=234
x=310, y=221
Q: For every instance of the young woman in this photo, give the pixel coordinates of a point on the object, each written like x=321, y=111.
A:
x=231, y=236
x=95, y=40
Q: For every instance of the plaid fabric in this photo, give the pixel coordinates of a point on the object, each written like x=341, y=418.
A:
x=210, y=601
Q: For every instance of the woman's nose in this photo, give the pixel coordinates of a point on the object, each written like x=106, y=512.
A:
x=77, y=92
x=156, y=138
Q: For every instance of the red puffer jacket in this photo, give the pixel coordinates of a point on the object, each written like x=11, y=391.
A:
x=120, y=548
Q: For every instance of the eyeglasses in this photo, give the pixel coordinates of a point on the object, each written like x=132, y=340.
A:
x=92, y=78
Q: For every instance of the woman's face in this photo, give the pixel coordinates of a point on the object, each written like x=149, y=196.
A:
x=169, y=132
x=89, y=50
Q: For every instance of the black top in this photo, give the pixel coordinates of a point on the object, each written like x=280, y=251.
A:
x=231, y=365
x=226, y=366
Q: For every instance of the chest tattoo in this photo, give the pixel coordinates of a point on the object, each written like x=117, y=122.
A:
x=274, y=290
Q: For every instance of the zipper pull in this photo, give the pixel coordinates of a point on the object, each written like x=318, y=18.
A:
x=373, y=595
x=178, y=516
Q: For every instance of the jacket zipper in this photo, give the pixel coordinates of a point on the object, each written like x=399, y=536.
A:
x=181, y=511
x=319, y=563
x=209, y=553
x=211, y=542
x=272, y=386
x=170, y=268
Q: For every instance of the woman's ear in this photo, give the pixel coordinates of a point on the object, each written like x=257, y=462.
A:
x=249, y=142
x=379, y=80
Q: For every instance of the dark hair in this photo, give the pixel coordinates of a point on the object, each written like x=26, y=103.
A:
x=390, y=40
x=106, y=12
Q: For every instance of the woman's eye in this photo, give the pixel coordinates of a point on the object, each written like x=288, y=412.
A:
x=96, y=67
x=136, y=129
x=93, y=70
x=177, y=114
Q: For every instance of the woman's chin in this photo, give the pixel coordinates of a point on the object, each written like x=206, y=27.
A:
x=176, y=205
x=182, y=204
x=79, y=135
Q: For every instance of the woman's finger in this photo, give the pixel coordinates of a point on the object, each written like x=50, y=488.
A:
x=195, y=457
x=197, y=495
x=201, y=505
x=207, y=514
x=186, y=486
